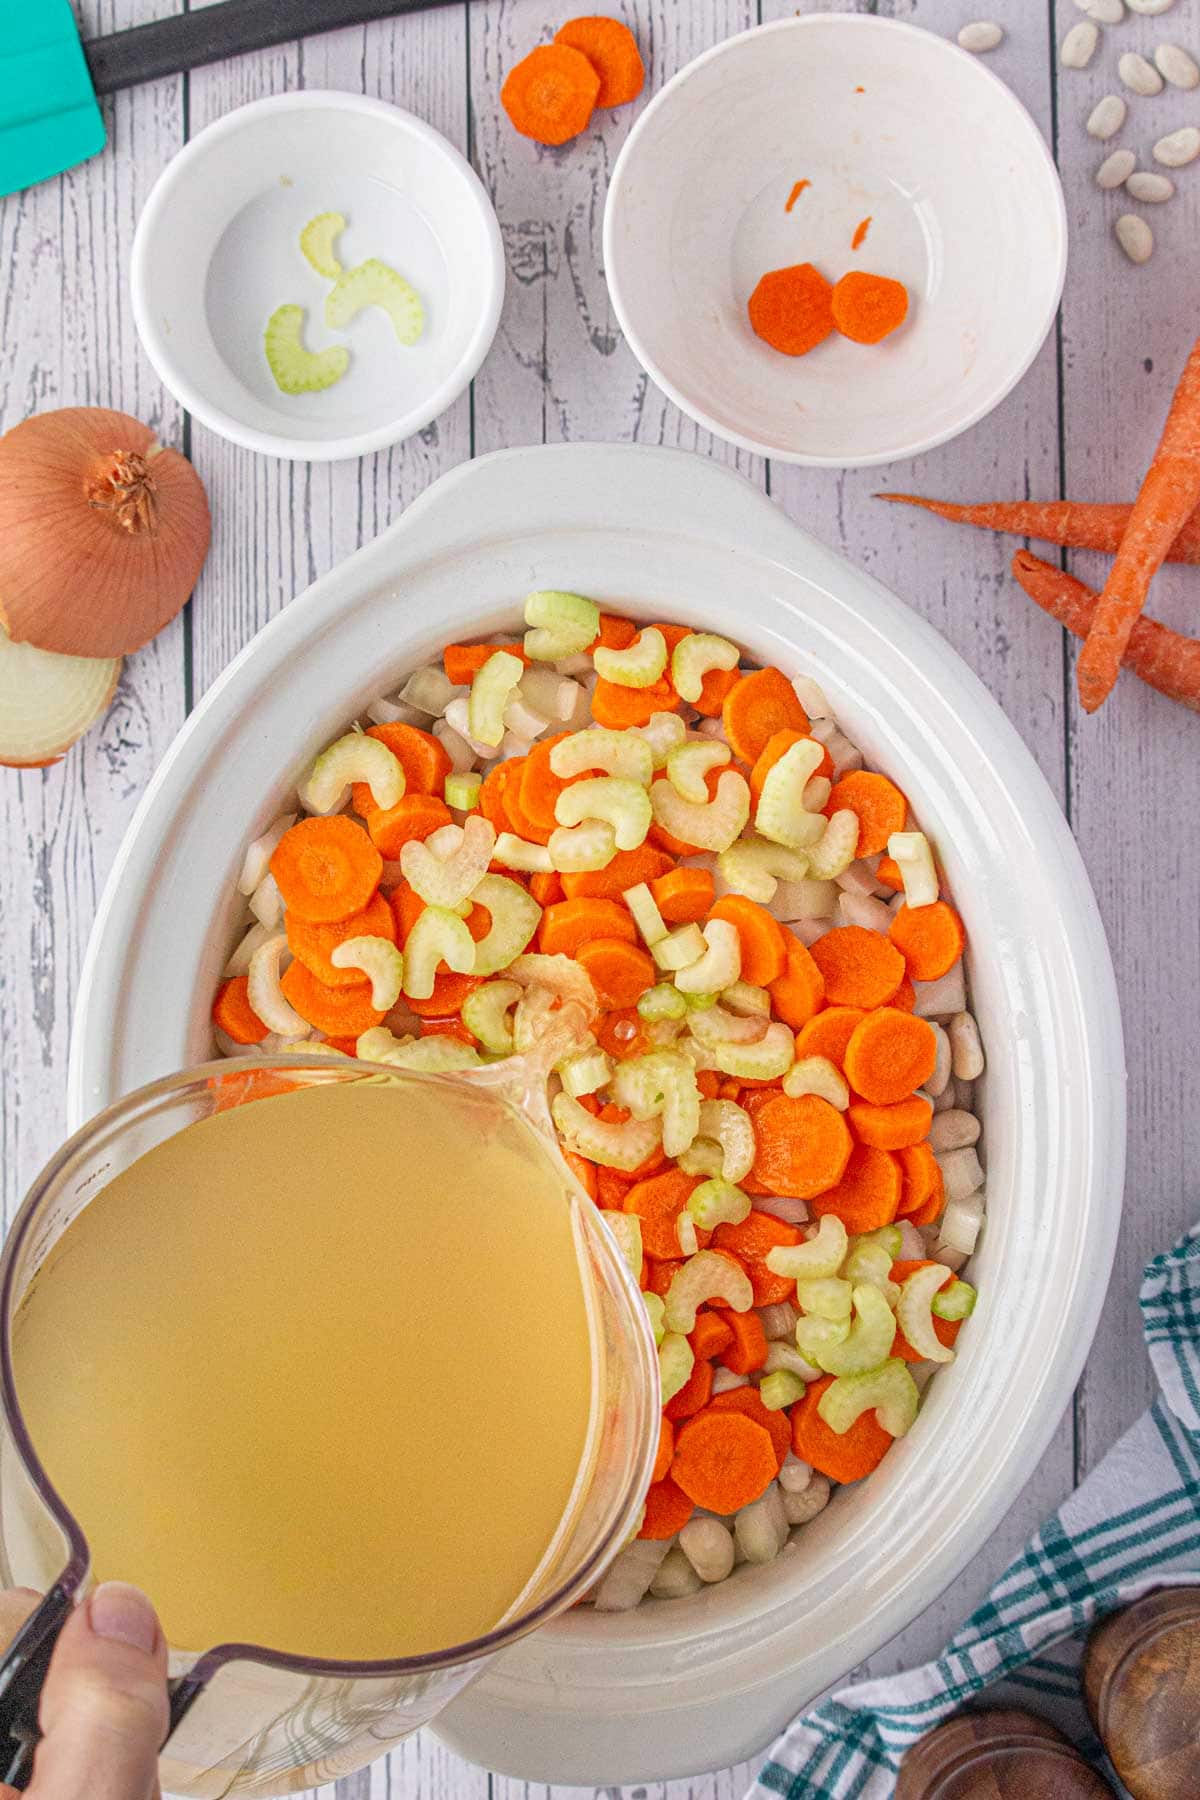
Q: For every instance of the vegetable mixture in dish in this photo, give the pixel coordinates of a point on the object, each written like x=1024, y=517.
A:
x=768, y=1086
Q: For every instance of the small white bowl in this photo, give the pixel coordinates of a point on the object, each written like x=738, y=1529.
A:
x=217, y=250
x=884, y=121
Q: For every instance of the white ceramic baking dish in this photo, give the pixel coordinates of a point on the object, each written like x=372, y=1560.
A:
x=686, y=1685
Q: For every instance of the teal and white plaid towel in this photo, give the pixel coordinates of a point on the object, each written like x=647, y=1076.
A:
x=1133, y=1525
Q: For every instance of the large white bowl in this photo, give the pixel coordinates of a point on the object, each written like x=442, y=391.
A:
x=697, y=1683
x=882, y=119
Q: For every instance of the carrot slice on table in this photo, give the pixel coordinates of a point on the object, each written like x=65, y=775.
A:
x=313, y=944
x=843, y=1456
x=763, y=940
x=715, y=688
x=756, y=708
x=929, y=938
x=566, y=925
x=233, y=1014
x=746, y=1400
x=413, y=816
x=921, y=1185
x=867, y=1196
x=339, y=1012
x=326, y=869
x=888, y=871
x=668, y=1510
x=723, y=1461
x=797, y=994
x=868, y=308
x=423, y=759
x=540, y=786
x=792, y=309
x=658, y=1202
x=802, y=1146
x=880, y=806
x=620, y=972
x=666, y=1450
x=895, y=1127
x=776, y=746
x=626, y=870
x=683, y=896
x=709, y=1336
x=549, y=95
x=462, y=662
x=747, y=1349
x=693, y=1396
x=612, y=50
x=859, y=967
x=829, y=1032
x=890, y=1054
x=618, y=707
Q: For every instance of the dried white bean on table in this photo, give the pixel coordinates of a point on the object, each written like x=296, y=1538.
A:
x=1150, y=188
x=1105, y=12
x=980, y=36
x=1079, y=45
x=1135, y=237
x=1150, y=8
x=1176, y=66
x=1140, y=76
x=1115, y=169
x=1107, y=117
x=1178, y=147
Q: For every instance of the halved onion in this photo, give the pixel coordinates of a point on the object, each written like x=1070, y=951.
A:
x=47, y=701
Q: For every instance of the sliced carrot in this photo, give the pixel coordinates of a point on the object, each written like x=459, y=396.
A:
x=612, y=50
x=683, y=896
x=519, y=821
x=905, y=996
x=777, y=746
x=414, y=816
x=540, y=786
x=723, y=1461
x=829, y=1033
x=622, y=1033
x=880, y=807
x=860, y=967
x=626, y=870
x=462, y=662
x=709, y=1336
x=792, y=309
x=748, y=1349
x=619, y=707
x=339, y=1012
x=746, y=1400
x=347, y=1045
x=666, y=1450
x=662, y=1273
x=491, y=795
x=313, y=944
x=920, y=1182
x=611, y=1185
x=868, y=1195
x=615, y=633
x=890, y=1054
x=658, y=1202
x=620, y=972
x=802, y=1146
x=449, y=992
x=233, y=1014
x=233, y=1090
x=693, y=1396
x=581, y=1168
x=326, y=869
x=843, y=1456
x=931, y=1212
x=797, y=994
x=888, y=871
x=756, y=1236
x=715, y=689
x=895, y=1127
x=453, y=1027
x=708, y=1082
x=407, y=907
x=568, y=924
x=668, y=1510
x=756, y=708
x=423, y=759
x=763, y=940
x=546, y=889
x=866, y=307
x=729, y=1089
x=929, y=938
x=549, y=94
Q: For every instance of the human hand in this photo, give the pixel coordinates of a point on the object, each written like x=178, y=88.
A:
x=104, y=1703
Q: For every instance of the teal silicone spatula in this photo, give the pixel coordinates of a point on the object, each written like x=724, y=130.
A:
x=49, y=116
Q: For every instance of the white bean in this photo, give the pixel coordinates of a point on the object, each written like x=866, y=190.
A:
x=942, y=1070
x=964, y=1095
x=1150, y=188
x=981, y=36
x=1079, y=45
x=724, y=1380
x=795, y=1475
x=1135, y=237
x=1139, y=76
x=1176, y=66
x=962, y=1173
x=675, y=1578
x=1178, y=147
x=708, y=1546
x=953, y=1130
x=1150, y=9
x=943, y=997
x=945, y=1100
x=779, y=1320
x=1107, y=117
x=629, y=1575
x=1115, y=169
x=1105, y=12
x=966, y=1051
x=800, y=1508
x=760, y=1529
x=862, y=909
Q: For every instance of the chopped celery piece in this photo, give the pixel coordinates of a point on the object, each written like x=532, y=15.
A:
x=754, y=867
x=954, y=1302
x=731, y=1126
x=639, y=665
x=782, y=1355
x=644, y=911
x=712, y=1025
x=820, y=1257
x=515, y=916
x=267, y=999
x=780, y=1389
x=771, y=1057
x=317, y=241
x=914, y=1314
x=662, y=1002
x=680, y=947
x=490, y=694
x=379, y=959
x=866, y=1261
x=627, y=1229
x=744, y=998
x=623, y=804
x=584, y=1071
x=889, y=1391
x=602, y=1141
x=296, y=370
x=562, y=975
x=816, y=1336
x=462, y=791
x=707, y=1276
x=580, y=848
x=621, y=753
x=693, y=657
x=713, y=826
x=699, y=1002
x=685, y=1232
x=655, y=1307
x=437, y=936
x=834, y=851
x=871, y=1336
x=560, y=624
x=519, y=853
x=721, y=964
x=485, y=1014
x=355, y=757
x=910, y=851
x=781, y=814
x=817, y=1075
x=825, y=1297
x=664, y=731
x=703, y=1156
x=661, y=1084
x=375, y=283
x=675, y=1361
x=436, y=1055
x=718, y=1202
x=889, y=1236
x=449, y=880
x=689, y=764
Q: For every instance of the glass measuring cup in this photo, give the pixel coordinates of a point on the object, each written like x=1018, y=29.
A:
x=256, y=1719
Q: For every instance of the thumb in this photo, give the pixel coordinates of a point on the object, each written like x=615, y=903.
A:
x=104, y=1703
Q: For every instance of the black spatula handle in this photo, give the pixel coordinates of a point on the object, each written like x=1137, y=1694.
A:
x=190, y=39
